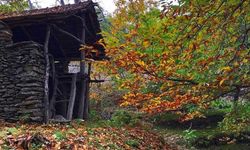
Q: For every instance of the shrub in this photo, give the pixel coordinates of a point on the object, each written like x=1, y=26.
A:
x=237, y=121
x=224, y=104
x=164, y=117
x=133, y=143
x=190, y=136
x=121, y=118
x=94, y=115
x=59, y=136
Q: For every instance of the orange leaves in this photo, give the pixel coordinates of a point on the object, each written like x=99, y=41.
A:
x=136, y=99
x=153, y=103
x=191, y=115
x=186, y=56
x=90, y=51
x=132, y=61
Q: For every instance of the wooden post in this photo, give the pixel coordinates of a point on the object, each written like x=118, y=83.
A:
x=53, y=99
x=55, y=86
x=72, y=97
x=83, y=79
x=46, y=87
x=86, y=109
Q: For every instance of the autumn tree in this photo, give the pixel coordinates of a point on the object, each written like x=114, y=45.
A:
x=185, y=55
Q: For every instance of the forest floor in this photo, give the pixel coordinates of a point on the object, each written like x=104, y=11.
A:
x=77, y=135
x=100, y=135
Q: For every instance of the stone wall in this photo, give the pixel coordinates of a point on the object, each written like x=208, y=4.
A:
x=22, y=72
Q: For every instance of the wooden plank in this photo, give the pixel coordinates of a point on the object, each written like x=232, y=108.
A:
x=97, y=81
x=46, y=88
x=62, y=101
x=72, y=97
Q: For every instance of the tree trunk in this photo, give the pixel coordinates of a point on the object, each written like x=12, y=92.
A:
x=77, y=1
x=62, y=2
x=236, y=98
x=30, y=4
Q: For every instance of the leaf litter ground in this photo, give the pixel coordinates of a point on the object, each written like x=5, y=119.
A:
x=76, y=136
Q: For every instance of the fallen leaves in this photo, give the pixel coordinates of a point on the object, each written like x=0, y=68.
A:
x=76, y=136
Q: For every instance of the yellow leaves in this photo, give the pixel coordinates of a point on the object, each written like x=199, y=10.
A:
x=156, y=101
x=234, y=39
x=141, y=63
x=146, y=43
x=191, y=46
x=128, y=36
x=205, y=96
x=245, y=60
x=226, y=69
x=222, y=81
x=125, y=104
x=136, y=99
x=236, y=64
x=200, y=20
x=199, y=37
x=192, y=115
x=85, y=47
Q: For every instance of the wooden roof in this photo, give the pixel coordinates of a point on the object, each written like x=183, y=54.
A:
x=31, y=25
x=71, y=8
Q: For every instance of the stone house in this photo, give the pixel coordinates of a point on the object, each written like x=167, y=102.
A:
x=36, y=47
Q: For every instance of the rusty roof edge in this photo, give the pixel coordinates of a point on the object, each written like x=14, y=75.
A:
x=48, y=11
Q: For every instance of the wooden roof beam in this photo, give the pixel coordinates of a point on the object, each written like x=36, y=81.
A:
x=68, y=34
x=59, y=46
x=84, y=25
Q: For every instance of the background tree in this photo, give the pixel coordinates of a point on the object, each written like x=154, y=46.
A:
x=13, y=5
x=184, y=56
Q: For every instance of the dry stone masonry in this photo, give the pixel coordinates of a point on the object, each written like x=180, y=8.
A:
x=22, y=73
